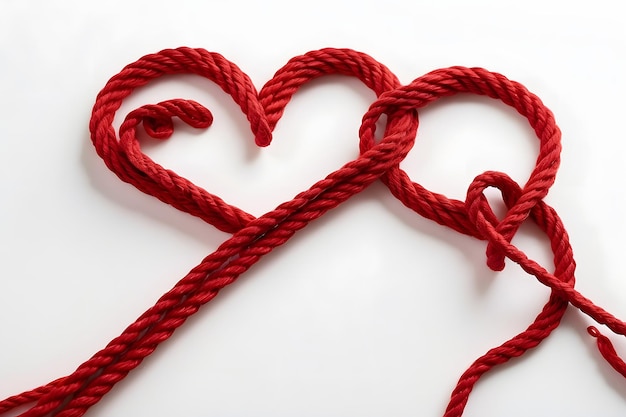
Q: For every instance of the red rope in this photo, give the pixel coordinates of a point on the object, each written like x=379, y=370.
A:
x=71, y=396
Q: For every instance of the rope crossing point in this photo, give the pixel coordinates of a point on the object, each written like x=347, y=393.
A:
x=253, y=237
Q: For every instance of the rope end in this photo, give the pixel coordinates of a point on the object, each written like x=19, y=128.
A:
x=608, y=351
x=593, y=331
x=496, y=263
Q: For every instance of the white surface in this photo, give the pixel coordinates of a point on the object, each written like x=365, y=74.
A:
x=370, y=311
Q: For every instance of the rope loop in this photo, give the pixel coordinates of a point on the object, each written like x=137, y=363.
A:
x=483, y=217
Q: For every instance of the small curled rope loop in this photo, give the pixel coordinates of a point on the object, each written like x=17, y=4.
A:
x=157, y=118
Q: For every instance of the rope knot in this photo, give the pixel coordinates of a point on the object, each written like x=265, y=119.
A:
x=482, y=216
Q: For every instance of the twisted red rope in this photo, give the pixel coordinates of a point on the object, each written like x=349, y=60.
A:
x=71, y=396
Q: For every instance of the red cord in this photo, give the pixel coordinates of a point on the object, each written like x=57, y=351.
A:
x=71, y=396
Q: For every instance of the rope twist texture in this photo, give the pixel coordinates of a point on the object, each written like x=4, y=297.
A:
x=253, y=237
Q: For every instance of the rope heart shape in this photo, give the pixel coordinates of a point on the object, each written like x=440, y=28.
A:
x=254, y=237
x=263, y=110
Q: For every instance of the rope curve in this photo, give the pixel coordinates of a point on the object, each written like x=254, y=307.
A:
x=253, y=237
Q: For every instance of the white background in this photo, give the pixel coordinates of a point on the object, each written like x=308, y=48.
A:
x=370, y=311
